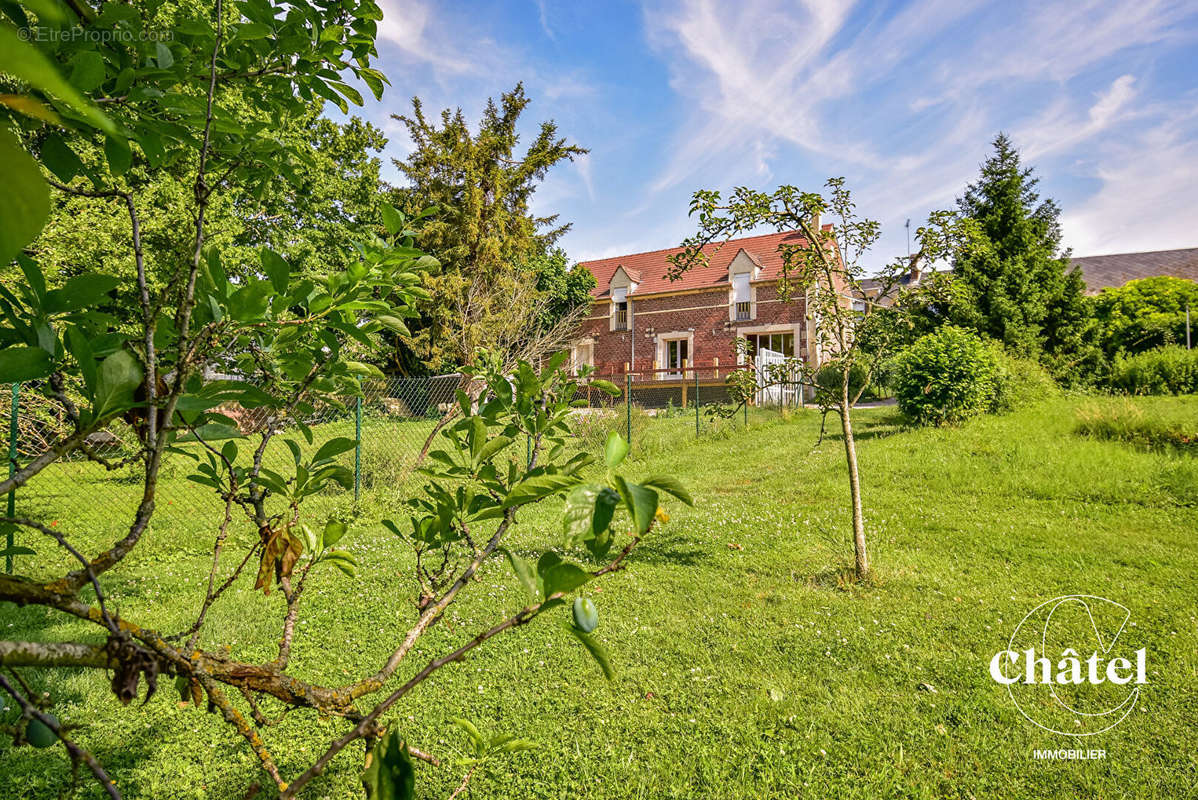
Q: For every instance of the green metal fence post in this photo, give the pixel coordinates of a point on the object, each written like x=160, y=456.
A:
x=746, y=413
x=358, y=446
x=628, y=406
x=12, y=468
x=696, y=404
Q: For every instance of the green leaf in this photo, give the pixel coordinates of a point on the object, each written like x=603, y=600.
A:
x=118, y=154
x=389, y=773
x=81, y=291
x=278, y=270
x=515, y=746
x=537, y=487
x=119, y=375
x=492, y=447
x=163, y=56
x=392, y=220
x=480, y=742
x=523, y=571
x=24, y=61
x=24, y=364
x=640, y=501
x=60, y=159
x=555, y=575
x=308, y=537
x=342, y=561
x=364, y=369
x=333, y=531
x=25, y=200
x=334, y=447
x=606, y=386
x=87, y=70
x=81, y=349
x=588, y=512
x=595, y=648
x=670, y=486
x=615, y=451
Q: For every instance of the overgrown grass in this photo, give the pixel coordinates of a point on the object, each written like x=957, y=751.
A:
x=744, y=672
x=1146, y=423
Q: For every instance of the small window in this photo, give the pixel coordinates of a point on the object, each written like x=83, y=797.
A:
x=741, y=297
x=620, y=315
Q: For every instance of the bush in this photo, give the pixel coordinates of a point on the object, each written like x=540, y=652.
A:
x=828, y=380
x=1166, y=370
x=1018, y=382
x=945, y=377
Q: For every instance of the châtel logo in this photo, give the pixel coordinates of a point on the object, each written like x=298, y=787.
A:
x=1069, y=666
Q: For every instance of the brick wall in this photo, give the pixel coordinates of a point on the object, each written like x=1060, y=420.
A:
x=702, y=316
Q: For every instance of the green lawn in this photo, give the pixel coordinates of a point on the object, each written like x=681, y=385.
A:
x=745, y=668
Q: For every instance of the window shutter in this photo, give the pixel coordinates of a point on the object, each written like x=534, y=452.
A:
x=740, y=288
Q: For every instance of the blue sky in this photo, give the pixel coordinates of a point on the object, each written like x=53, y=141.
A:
x=900, y=98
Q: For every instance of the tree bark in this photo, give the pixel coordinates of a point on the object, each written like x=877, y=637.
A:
x=850, y=455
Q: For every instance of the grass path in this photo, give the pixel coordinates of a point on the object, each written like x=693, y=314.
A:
x=744, y=671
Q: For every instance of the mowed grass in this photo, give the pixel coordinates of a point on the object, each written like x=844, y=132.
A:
x=747, y=666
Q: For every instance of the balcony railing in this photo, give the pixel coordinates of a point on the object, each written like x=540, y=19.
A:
x=744, y=311
x=621, y=319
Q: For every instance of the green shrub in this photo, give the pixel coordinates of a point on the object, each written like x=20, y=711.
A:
x=828, y=381
x=1018, y=382
x=946, y=377
x=1166, y=370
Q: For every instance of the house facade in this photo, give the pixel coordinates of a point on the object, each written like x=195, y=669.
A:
x=644, y=323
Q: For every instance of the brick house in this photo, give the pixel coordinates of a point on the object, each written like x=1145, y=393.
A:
x=643, y=322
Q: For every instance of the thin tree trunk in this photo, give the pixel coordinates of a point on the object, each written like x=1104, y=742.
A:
x=850, y=455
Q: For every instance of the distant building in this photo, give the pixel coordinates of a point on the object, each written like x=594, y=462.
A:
x=1102, y=272
x=642, y=321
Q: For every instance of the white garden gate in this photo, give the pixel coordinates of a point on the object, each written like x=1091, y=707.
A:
x=774, y=394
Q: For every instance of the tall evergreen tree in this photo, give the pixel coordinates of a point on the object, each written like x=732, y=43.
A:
x=483, y=231
x=1015, y=281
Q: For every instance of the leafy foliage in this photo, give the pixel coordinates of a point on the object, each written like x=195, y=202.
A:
x=1013, y=282
x=483, y=232
x=1165, y=370
x=202, y=323
x=1146, y=314
x=945, y=377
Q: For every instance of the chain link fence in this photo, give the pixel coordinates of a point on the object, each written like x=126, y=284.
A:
x=394, y=424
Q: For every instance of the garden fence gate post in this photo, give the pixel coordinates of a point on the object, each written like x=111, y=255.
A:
x=628, y=406
x=696, y=404
x=9, y=541
x=358, y=445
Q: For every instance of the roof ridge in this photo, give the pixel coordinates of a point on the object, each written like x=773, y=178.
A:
x=1136, y=253
x=667, y=249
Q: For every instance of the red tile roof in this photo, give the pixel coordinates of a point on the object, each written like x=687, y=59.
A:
x=649, y=270
x=1100, y=272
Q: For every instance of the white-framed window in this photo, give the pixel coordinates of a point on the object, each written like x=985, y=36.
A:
x=582, y=354
x=677, y=352
x=621, y=310
x=742, y=297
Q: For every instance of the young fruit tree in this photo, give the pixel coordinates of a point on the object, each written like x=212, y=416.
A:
x=822, y=267
x=209, y=332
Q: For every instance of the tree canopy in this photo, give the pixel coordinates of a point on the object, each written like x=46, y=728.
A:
x=1014, y=282
x=484, y=231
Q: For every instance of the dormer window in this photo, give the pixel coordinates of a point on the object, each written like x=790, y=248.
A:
x=620, y=310
x=742, y=298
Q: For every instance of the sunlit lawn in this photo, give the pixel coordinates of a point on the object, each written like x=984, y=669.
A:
x=745, y=668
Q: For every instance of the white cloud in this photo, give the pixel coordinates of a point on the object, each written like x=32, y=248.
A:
x=1057, y=128
x=1148, y=196
x=406, y=24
